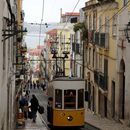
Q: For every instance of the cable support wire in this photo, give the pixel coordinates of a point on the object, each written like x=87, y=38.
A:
x=29, y=35
x=117, y=13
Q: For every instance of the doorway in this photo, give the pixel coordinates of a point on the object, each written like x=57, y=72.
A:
x=122, y=90
x=113, y=99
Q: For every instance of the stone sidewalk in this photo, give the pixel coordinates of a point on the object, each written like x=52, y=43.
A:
x=29, y=125
x=103, y=123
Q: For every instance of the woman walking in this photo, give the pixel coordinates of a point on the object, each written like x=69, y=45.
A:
x=34, y=107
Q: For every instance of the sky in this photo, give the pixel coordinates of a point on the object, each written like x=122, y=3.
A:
x=33, y=9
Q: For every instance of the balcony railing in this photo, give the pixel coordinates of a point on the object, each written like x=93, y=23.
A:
x=101, y=80
x=102, y=40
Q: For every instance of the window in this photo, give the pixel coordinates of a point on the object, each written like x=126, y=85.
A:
x=100, y=62
x=89, y=56
x=100, y=24
x=125, y=2
x=58, y=98
x=90, y=22
x=69, y=99
x=86, y=21
x=80, y=71
x=114, y=28
x=94, y=21
x=93, y=57
x=107, y=24
x=80, y=98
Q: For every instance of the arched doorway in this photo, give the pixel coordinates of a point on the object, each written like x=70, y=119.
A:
x=122, y=90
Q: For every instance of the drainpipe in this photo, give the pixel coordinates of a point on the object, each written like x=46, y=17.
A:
x=83, y=61
x=10, y=10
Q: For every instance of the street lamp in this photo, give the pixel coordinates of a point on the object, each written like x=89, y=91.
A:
x=127, y=32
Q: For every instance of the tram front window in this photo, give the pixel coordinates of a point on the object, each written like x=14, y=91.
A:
x=69, y=99
x=58, y=98
x=80, y=98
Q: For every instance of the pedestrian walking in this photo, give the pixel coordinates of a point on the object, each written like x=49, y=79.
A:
x=34, y=107
x=34, y=85
x=24, y=105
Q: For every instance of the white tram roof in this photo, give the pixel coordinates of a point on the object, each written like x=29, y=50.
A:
x=68, y=83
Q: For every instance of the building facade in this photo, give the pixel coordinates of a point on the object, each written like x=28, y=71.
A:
x=123, y=63
x=106, y=58
x=7, y=56
x=100, y=56
x=11, y=19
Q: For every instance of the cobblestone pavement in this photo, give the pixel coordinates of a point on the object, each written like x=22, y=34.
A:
x=29, y=125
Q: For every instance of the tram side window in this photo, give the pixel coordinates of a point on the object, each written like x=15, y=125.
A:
x=69, y=99
x=80, y=98
x=58, y=98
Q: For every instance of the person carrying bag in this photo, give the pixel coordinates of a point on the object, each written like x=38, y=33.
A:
x=40, y=109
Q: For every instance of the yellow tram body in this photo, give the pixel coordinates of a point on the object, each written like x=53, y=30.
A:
x=60, y=117
x=66, y=107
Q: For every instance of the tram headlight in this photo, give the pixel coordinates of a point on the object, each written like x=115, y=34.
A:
x=69, y=118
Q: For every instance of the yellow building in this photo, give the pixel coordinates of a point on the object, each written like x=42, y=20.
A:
x=100, y=55
x=107, y=60
x=58, y=50
x=64, y=46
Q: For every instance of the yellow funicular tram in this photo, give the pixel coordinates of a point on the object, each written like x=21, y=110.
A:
x=66, y=102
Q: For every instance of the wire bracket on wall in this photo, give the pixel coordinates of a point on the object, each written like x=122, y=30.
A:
x=7, y=33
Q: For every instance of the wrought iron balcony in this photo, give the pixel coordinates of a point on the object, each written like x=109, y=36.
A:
x=102, y=40
x=101, y=80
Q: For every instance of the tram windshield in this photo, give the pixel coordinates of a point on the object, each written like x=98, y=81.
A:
x=69, y=99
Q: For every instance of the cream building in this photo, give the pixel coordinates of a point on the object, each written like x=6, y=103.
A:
x=64, y=33
x=107, y=59
x=122, y=107
x=100, y=56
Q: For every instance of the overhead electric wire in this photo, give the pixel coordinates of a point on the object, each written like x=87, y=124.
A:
x=41, y=22
x=70, y=16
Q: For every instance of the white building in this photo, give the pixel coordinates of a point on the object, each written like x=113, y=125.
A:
x=7, y=53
